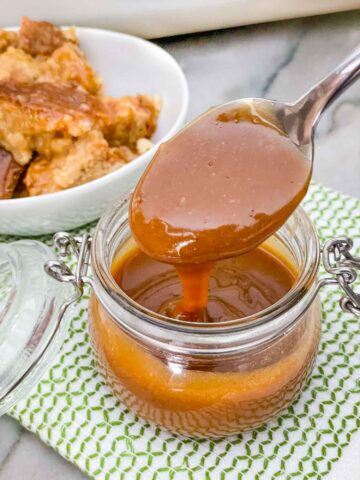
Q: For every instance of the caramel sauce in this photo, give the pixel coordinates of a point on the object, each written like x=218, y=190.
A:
x=200, y=215
x=217, y=190
x=51, y=100
x=236, y=287
x=207, y=397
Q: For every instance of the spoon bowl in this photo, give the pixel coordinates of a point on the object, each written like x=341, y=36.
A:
x=232, y=177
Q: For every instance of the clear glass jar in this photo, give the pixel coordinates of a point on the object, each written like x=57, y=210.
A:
x=206, y=380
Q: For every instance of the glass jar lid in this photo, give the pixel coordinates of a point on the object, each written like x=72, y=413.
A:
x=31, y=306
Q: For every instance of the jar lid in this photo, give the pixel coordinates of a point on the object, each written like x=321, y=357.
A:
x=30, y=310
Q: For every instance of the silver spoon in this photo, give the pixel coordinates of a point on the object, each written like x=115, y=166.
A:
x=235, y=215
x=298, y=120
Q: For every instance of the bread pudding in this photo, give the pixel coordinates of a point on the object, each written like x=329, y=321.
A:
x=57, y=129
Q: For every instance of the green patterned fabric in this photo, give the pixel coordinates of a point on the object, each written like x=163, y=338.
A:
x=73, y=411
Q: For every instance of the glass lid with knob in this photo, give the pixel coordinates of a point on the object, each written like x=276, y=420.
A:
x=31, y=307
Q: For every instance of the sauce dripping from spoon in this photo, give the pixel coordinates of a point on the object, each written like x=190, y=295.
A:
x=219, y=188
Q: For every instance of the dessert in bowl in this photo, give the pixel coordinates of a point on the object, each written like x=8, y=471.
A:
x=88, y=143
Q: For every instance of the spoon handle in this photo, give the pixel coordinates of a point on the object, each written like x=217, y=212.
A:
x=311, y=105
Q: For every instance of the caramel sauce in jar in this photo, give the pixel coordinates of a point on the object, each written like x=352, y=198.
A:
x=197, y=275
x=206, y=395
x=236, y=287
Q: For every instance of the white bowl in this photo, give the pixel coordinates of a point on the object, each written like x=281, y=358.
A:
x=128, y=66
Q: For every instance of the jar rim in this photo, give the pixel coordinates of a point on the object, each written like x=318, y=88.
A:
x=105, y=286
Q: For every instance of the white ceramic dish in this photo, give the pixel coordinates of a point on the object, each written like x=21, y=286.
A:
x=159, y=18
x=128, y=65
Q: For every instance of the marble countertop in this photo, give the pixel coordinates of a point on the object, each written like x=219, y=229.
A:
x=278, y=60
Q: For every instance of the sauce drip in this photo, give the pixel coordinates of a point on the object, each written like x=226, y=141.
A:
x=218, y=189
x=238, y=286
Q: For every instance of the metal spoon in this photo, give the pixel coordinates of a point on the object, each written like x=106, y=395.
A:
x=184, y=210
x=298, y=120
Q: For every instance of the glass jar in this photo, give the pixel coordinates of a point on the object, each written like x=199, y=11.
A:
x=206, y=380
x=202, y=380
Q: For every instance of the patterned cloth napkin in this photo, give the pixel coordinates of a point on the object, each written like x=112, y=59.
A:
x=73, y=411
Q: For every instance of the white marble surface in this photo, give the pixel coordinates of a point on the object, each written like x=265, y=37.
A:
x=279, y=60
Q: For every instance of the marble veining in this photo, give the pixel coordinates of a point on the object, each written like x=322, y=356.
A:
x=278, y=60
